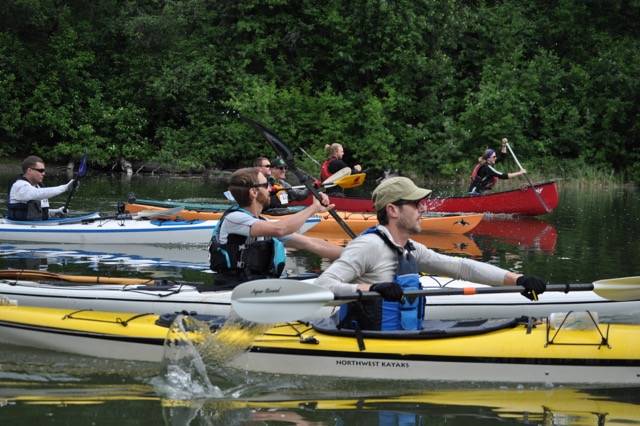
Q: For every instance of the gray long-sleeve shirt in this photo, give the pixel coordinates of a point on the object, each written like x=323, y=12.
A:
x=368, y=259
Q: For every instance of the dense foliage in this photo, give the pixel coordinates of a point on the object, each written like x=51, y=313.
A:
x=421, y=85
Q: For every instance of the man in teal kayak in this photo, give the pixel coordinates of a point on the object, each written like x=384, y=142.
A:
x=27, y=199
x=384, y=259
x=245, y=246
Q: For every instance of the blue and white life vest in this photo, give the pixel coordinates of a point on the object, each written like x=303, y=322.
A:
x=244, y=258
x=379, y=314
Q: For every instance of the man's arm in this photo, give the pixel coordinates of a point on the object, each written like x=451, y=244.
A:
x=318, y=246
x=23, y=191
x=461, y=268
x=288, y=224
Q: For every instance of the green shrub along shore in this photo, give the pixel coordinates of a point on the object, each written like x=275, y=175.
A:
x=420, y=86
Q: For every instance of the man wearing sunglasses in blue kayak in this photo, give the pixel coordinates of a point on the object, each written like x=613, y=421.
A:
x=385, y=260
x=27, y=199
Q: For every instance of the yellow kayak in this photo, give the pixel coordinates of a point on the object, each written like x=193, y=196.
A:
x=482, y=351
x=474, y=350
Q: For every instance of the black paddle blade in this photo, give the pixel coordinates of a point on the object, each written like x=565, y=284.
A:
x=272, y=138
x=287, y=156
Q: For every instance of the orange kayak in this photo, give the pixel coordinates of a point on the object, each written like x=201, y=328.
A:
x=440, y=242
x=358, y=222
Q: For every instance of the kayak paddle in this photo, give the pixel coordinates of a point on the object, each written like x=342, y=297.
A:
x=285, y=153
x=280, y=300
x=533, y=188
x=82, y=170
x=30, y=274
x=337, y=175
x=351, y=181
x=144, y=214
x=345, y=182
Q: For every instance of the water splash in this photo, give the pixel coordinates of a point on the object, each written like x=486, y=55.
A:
x=195, y=349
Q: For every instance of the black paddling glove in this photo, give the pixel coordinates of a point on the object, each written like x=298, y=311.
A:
x=533, y=286
x=391, y=292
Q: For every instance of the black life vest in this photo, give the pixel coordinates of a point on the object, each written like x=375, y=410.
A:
x=480, y=184
x=244, y=258
x=379, y=314
x=31, y=210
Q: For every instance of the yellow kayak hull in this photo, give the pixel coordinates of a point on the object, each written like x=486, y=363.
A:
x=506, y=355
x=117, y=335
x=510, y=352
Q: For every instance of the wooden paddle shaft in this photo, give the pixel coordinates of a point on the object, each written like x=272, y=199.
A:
x=533, y=188
x=27, y=274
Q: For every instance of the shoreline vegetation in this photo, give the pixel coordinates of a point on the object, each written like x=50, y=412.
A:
x=420, y=86
x=583, y=176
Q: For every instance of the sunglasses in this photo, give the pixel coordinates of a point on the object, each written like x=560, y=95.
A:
x=414, y=203
x=264, y=185
x=37, y=170
x=268, y=166
x=281, y=167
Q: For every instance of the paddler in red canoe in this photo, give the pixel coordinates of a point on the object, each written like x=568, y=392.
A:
x=485, y=175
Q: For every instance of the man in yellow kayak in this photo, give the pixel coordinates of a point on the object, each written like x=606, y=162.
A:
x=384, y=259
x=245, y=246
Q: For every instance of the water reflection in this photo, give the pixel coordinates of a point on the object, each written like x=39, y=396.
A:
x=180, y=261
x=453, y=406
x=525, y=233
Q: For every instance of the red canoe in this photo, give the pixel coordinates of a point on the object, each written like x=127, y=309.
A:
x=521, y=201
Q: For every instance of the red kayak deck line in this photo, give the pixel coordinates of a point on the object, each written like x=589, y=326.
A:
x=521, y=201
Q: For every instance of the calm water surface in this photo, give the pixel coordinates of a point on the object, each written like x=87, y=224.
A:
x=593, y=234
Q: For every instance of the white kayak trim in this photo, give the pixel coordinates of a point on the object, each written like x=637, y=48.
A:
x=119, y=231
x=177, y=297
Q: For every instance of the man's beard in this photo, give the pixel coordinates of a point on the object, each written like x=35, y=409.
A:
x=264, y=200
x=413, y=227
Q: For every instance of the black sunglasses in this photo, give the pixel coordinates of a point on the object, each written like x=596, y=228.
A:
x=268, y=166
x=282, y=167
x=264, y=185
x=37, y=170
x=415, y=203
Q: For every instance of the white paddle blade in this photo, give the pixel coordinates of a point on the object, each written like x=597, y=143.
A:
x=620, y=289
x=278, y=300
x=337, y=175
